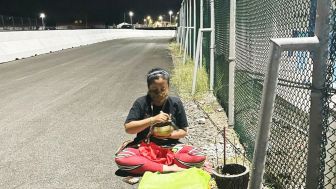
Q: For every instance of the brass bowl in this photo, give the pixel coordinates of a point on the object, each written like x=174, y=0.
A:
x=163, y=131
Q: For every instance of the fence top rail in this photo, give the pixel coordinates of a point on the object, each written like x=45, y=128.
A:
x=299, y=43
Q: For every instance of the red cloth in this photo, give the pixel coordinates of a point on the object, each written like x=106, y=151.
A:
x=156, y=153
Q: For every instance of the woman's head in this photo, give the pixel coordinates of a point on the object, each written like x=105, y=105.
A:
x=158, y=85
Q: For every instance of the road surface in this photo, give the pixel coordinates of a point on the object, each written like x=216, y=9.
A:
x=62, y=114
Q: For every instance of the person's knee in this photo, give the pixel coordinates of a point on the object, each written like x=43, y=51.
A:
x=189, y=156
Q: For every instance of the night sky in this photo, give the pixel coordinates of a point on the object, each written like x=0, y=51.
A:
x=99, y=11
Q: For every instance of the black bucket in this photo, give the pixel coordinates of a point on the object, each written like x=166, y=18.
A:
x=231, y=176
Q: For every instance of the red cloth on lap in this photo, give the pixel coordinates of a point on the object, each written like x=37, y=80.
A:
x=156, y=153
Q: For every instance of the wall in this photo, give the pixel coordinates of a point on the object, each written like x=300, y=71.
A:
x=22, y=44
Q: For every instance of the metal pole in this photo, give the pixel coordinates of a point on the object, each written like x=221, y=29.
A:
x=268, y=98
x=182, y=39
x=190, y=39
x=212, y=45
x=187, y=25
x=201, y=26
x=316, y=109
x=232, y=61
x=198, y=56
x=178, y=34
x=266, y=112
x=43, y=23
x=185, y=46
x=194, y=30
x=183, y=22
x=196, y=59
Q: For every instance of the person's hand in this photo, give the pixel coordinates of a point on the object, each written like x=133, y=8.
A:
x=161, y=118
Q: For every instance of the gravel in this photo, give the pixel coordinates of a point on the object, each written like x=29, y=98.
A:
x=205, y=130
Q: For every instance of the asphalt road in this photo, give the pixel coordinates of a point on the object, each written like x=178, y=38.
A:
x=62, y=114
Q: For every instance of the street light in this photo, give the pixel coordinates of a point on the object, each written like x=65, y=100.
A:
x=42, y=16
x=170, y=14
x=160, y=18
x=131, y=15
x=148, y=20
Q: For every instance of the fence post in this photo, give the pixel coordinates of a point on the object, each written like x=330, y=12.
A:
x=266, y=110
x=186, y=46
x=316, y=109
x=268, y=98
x=212, y=45
x=194, y=30
x=232, y=61
x=201, y=26
x=196, y=60
x=183, y=22
x=189, y=26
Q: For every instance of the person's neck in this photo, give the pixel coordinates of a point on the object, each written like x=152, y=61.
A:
x=158, y=104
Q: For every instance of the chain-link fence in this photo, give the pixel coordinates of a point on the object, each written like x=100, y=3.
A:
x=257, y=21
x=19, y=23
x=328, y=152
x=222, y=35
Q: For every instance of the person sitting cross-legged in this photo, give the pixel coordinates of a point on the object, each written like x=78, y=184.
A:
x=160, y=119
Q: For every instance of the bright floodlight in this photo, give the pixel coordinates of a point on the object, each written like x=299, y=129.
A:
x=131, y=13
x=170, y=15
x=42, y=15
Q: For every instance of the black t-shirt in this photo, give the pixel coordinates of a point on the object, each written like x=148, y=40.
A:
x=142, y=108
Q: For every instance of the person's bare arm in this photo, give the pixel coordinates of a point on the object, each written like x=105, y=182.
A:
x=134, y=127
x=177, y=134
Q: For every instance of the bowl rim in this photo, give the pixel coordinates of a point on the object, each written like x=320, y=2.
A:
x=231, y=176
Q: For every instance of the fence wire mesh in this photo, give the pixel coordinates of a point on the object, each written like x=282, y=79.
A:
x=222, y=36
x=328, y=152
x=206, y=35
x=257, y=21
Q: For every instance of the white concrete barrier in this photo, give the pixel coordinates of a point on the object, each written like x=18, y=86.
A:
x=22, y=44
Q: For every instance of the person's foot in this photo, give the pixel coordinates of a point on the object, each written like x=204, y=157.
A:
x=172, y=168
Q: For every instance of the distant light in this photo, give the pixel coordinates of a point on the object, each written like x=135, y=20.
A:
x=160, y=18
x=170, y=12
x=148, y=17
x=42, y=15
x=145, y=20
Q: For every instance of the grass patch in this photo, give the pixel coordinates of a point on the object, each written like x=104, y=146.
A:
x=182, y=75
